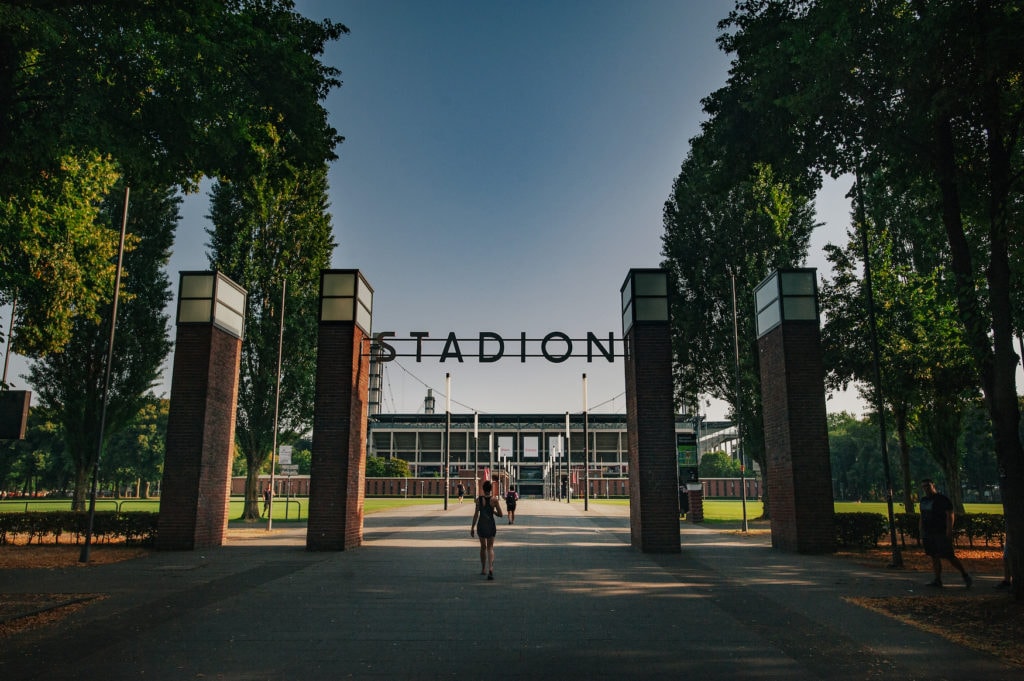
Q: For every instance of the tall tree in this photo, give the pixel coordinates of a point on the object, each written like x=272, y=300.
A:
x=718, y=224
x=71, y=383
x=270, y=229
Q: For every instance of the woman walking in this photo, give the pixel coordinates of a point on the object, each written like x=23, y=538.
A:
x=485, y=527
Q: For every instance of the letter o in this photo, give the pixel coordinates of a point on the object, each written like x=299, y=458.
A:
x=559, y=358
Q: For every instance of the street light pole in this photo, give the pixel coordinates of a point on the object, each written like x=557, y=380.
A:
x=447, y=434
x=277, y=404
x=84, y=556
x=586, y=450
x=897, y=556
x=739, y=420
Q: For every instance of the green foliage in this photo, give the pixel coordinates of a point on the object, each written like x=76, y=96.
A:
x=71, y=382
x=161, y=96
x=271, y=231
x=132, y=527
x=718, y=465
x=859, y=530
x=56, y=252
x=380, y=467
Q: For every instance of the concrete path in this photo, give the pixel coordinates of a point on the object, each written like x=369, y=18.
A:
x=570, y=600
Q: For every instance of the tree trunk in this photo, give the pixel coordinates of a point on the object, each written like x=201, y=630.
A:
x=251, y=505
x=81, y=493
x=900, y=416
x=999, y=387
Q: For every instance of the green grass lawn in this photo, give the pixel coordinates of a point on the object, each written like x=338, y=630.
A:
x=297, y=508
x=715, y=510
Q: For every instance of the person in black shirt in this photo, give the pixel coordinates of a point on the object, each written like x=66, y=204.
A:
x=937, y=518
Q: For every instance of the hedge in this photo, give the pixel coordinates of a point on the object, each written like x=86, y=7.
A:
x=864, y=530
x=132, y=527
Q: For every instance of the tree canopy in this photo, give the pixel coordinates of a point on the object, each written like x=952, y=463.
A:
x=90, y=91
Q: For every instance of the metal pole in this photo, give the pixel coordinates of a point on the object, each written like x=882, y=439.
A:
x=277, y=404
x=476, y=451
x=586, y=450
x=10, y=329
x=739, y=428
x=84, y=556
x=447, y=433
x=897, y=556
x=568, y=462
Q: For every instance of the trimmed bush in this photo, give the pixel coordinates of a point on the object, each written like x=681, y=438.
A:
x=859, y=530
x=134, y=527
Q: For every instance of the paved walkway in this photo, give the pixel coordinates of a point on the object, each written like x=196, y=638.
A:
x=570, y=600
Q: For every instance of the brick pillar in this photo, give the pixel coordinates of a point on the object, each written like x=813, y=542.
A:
x=196, y=484
x=337, y=485
x=695, y=497
x=796, y=438
x=650, y=423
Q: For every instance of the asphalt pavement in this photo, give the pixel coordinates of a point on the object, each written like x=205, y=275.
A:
x=570, y=600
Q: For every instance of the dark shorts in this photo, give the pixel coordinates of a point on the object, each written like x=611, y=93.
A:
x=938, y=546
x=510, y=506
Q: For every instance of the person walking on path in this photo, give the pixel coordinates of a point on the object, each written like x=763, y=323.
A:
x=511, y=497
x=487, y=507
x=461, y=490
x=266, y=500
x=937, y=519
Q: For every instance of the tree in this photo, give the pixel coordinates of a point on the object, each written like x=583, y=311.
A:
x=270, y=230
x=38, y=462
x=718, y=223
x=57, y=256
x=926, y=378
x=718, y=464
x=88, y=89
x=936, y=89
x=135, y=456
x=71, y=383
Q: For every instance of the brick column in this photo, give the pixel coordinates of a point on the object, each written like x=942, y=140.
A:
x=196, y=487
x=338, y=468
x=799, y=475
x=650, y=423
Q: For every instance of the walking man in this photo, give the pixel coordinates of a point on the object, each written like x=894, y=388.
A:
x=937, y=518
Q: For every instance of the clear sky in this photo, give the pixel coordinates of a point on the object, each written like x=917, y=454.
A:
x=505, y=165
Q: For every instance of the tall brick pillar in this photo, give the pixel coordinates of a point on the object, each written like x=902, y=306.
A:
x=338, y=467
x=795, y=426
x=650, y=413
x=196, y=485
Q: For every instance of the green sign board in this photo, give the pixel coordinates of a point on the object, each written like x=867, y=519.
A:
x=686, y=449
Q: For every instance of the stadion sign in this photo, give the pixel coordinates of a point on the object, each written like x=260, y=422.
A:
x=490, y=346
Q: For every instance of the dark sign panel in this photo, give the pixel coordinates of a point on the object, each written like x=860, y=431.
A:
x=14, y=414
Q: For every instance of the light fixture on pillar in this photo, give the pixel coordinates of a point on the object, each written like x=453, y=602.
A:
x=345, y=296
x=644, y=298
x=210, y=297
x=786, y=295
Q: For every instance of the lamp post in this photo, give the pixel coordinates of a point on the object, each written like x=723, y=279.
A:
x=568, y=462
x=84, y=556
x=277, y=404
x=897, y=556
x=447, y=434
x=586, y=450
x=739, y=420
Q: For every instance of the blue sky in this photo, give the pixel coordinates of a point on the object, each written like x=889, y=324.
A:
x=505, y=165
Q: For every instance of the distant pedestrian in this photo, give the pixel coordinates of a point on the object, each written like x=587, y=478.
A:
x=937, y=521
x=266, y=500
x=461, y=491
x=511, y=497
x=485, y=527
